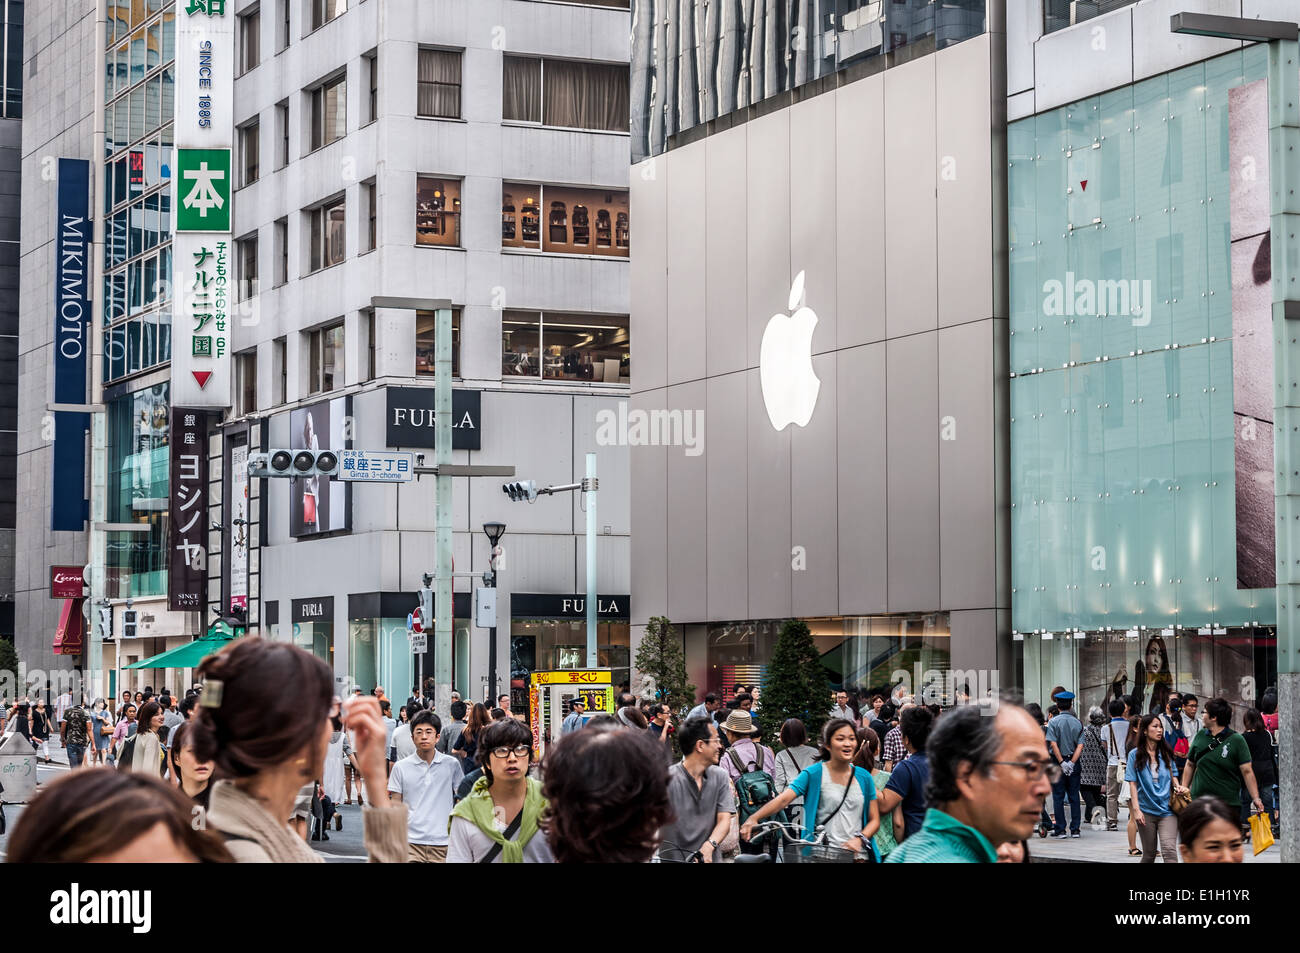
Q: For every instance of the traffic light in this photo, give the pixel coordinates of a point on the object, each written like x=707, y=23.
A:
x=524, y=490
x=293, y=463
x=128, y=623
x=426, y=601
x=105, y=623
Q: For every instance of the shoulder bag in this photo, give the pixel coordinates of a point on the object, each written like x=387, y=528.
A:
x=1124, y=796
x=510, y=833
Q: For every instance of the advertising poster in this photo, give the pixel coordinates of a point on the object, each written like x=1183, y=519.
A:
x=239, y=531
x=319, y=504
x=187, y=577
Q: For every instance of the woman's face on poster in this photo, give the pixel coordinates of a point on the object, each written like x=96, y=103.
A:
x=1153, y=657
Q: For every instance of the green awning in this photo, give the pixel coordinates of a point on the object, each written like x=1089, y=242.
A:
x=190, y=655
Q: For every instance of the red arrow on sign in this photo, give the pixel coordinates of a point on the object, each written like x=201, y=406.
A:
x=1084, y=183
x=202, y=378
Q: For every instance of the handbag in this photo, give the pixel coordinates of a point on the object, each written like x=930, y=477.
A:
x=1179, y=800
x=1261, y=832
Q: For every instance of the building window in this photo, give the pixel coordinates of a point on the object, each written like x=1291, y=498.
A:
x=439, y=84
x=326, y=358
x=426, y=324
x=574, y=94
x=437, y=211
x=281, y=251
x=327, y=233
x=557, y=219
x=250, y=40
x=285, y=35
x=329, y=112
x=246, y=382
x=247, y=252
x=323, y=11
x=370, y=197
x=280, y=354
x=564, y=347
x=282, y=133
x=370, y=345
x=250, y=150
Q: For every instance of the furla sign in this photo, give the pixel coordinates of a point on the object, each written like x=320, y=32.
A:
x=411, y=420
x=785, y=370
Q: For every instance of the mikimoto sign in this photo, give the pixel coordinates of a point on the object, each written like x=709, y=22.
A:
x=202, y=253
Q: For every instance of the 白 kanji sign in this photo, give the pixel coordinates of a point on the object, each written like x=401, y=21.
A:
x=203, y=190
x=187, y=577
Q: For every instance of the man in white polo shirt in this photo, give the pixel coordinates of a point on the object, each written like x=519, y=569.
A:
x=426, y=782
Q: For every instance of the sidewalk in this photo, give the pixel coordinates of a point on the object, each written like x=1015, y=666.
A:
x=1111, y=847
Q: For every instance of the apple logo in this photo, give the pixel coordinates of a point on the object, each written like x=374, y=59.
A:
x=785, y=368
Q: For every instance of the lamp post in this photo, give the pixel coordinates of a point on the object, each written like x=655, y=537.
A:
x=1283, y=39
x=493, y=531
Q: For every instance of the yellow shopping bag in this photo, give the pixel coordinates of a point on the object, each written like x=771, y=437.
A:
x=1261, y=832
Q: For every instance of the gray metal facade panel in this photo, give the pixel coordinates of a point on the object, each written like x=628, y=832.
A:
x=860, y=217
x=649, y=527
x=768, y=235
x=727, y=507
x=686, y=517
x=813, y=207
x=912, y=462
x=687, y=263
x=814, y=516
x=769, y=507
x=648, y=278
x=862, y=487
x=726, y=241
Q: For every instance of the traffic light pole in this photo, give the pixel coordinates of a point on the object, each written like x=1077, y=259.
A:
x=590, y=485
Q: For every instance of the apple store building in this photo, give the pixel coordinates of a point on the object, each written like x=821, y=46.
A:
x=836, y=325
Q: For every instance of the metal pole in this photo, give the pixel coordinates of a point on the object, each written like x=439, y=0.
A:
x=1284, y=135
x=492, y=639
x=442, y=455
x=591, y=560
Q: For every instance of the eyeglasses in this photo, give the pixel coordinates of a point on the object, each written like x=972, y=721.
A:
x=519, y=751
x=1036, y=769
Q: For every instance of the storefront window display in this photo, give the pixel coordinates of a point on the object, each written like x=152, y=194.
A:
x=379, y=654
x=316, y=638
x=1232, y=663
x=865, y=652
x=137, y=491
x=539, y=645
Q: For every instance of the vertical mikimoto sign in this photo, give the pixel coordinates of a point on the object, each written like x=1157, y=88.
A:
x=187, y=575
x=202, y=253
x=69, y=509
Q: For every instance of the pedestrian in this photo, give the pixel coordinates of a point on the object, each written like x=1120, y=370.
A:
x=192, y=776
x=466, y=746
x=503, y=702
x=415, y=700
x=988, y=777
x=607, y=792
x=103, y=730
x=1179, y=730
x=1092, y=767
x=499, y=821
x=426, y=783
x=661, y=724
x=1219, y=760
x=78, y=732
x=1208, y=833
x=744, y=701
x=1114, y=736
x=884, y=720
x=20, y=721
x=867, y=758
x=1150, y=773
x=795, y=755
x=706, y=708
x=908, y=779
x=267, y=743
x=351, y=770
x=700, y=795
x=125, y=728
x=1268, y=708
x=171, y=717
x=895, y=752
x=875, y=702
x=143, y=752
x=1014, y=852
x=61, y=705
x=390, y=726
x=103, y=816
x=40, y=727
x=744, y=754
x=841, y=707
x=839, y=797
x=1263, y=760
x=1065, y=742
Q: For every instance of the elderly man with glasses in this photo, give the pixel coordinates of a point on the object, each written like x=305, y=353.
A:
x=989, y=773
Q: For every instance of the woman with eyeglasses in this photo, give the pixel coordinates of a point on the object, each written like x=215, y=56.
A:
x=499, y=822
x=1209, y=833
x=1150, y=776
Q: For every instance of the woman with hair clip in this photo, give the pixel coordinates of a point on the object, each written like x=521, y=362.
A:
x=268, y=743
x=499, y=821
x=466, y=746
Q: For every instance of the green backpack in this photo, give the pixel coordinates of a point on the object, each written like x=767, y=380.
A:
x=754, y=787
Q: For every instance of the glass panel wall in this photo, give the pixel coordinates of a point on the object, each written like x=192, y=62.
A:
x=138, y=491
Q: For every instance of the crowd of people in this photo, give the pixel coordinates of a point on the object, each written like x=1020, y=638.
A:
x=242, y=771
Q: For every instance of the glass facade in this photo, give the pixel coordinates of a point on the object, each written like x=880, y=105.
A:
x=379, y=654
x=863, y=652
x=695, y=61
x=139, y=96
x=1123, y=483
x=138, y=491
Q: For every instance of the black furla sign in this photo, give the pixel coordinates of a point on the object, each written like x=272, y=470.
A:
x=411, y=418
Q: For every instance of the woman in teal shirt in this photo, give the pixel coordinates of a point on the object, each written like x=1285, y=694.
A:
x=1150, y=775
x=838, y=795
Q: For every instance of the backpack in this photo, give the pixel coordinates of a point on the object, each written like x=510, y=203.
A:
x=754, y=787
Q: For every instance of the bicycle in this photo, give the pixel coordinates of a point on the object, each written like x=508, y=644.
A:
x=794, y=849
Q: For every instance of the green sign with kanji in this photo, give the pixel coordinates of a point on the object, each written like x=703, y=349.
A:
x=203, y=190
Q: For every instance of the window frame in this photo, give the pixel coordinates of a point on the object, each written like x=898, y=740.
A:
x=250, y=24
x=250, y=131
x=459, y=85
x=242, y=381
x=242, y=290
x=514, y=316
x=318, y=94
x=455, y=214
x=594, y=199
x=318, y=339
x=318, y=243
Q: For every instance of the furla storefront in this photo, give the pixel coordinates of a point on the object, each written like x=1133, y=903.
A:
x=836, y=323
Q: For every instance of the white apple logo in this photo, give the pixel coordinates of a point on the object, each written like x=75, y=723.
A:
x=785, y=368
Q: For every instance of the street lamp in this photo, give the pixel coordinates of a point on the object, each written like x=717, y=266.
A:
x=493, y=531
x=1283, y=39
